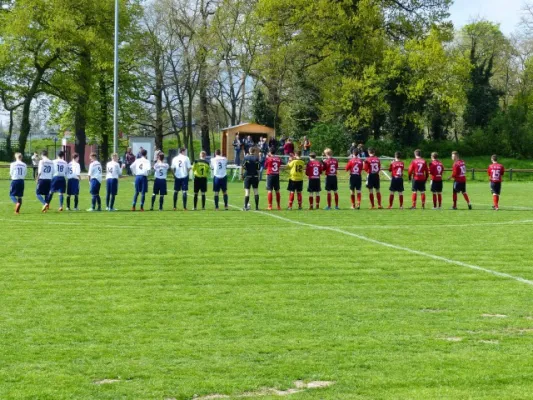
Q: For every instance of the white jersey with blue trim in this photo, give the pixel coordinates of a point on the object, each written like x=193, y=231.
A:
x=74, y=170
x=60, y=168
x=161, y=170
x=17, y=170
x=219, y=166
x=141, y=167
x=46, y=168
x=113, y=170
x=95, y=171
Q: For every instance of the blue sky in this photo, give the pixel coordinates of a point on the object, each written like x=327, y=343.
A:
x=505, y=12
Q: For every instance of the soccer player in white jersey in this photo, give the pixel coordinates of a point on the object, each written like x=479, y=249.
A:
x=73, y=181
x=140, y=168
x=95, y=181
x=17, y=171
x=220, y=177
x=113, y=172
x=181, y=166
x=59, y=181
x=44, y=179
x=160, y=182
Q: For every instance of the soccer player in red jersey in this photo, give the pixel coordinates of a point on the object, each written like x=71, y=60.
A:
x=313, y=171
x=495, y=172
x=435, y=170
x=396, y=185
x=355, y=166
x=273, y=166
x=331, y=165
x=372, y=166
x=418, y=175
x=459, y=177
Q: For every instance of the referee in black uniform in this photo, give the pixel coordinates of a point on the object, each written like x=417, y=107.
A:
x=250, y=174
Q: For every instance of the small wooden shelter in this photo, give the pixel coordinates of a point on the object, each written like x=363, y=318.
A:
x=255, y=131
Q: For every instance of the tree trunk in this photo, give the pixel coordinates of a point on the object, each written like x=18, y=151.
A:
x=82, y=100
x=190, y=132
x=158, y=103
x=9, y=149
x=204, y=119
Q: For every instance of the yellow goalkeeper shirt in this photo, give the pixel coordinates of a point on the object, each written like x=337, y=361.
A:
x=297, y=170
x=201, y=169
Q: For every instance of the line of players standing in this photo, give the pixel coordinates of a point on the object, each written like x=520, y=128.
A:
x=419, y=172
x=60, y=177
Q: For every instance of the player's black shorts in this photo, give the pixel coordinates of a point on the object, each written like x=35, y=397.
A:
x=220, y=184
x=73, y=187
x=112, y=186
x=251, y=182
x=17, y=188
x=496, y=187
x=295, y=186
x=459, y=187
x=43, y=187
x=436, y=186
x=181, y=184
x=200, y=185
x=272, y=182
x=160, y=187
x=314, y=186
x=372, y=181
x=331, y=183
x=418, y=186
x=396, y=185
x=356, y=182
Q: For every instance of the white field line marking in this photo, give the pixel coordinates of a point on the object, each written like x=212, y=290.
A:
x=401, y=248
x=506, y=207
x=523, y=221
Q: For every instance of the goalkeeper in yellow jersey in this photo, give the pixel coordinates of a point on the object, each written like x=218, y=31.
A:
x=201, y=170
x=296, y=168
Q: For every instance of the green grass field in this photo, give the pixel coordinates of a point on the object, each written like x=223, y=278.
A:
x=171, y=305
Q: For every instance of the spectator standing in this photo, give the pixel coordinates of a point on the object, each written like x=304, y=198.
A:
x=306, y=146
x=35, y=163
x=237, y=150
x=156, y=155
x=272, y=143
x=248, y=144
x=353, y=149
x=288, y=147
x=140, y=153
x=129, y=158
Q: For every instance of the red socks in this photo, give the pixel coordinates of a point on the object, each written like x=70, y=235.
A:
x=413, y=199
x=454, y=200
x=379, y=199
x=423, y=196
x=291, y=198
x=311, y=201
x=269, y=199
x=401, y=200
x=434, y=200
x=329, y=199
x=358, y=198
x=336, y=199
x=439, y=197
x=466, y=198
x=278, y=199
x=317, y=201
x=352, y=198
x=299, y=199
x=391, y=200
x=496, y=200
x=371, y=196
